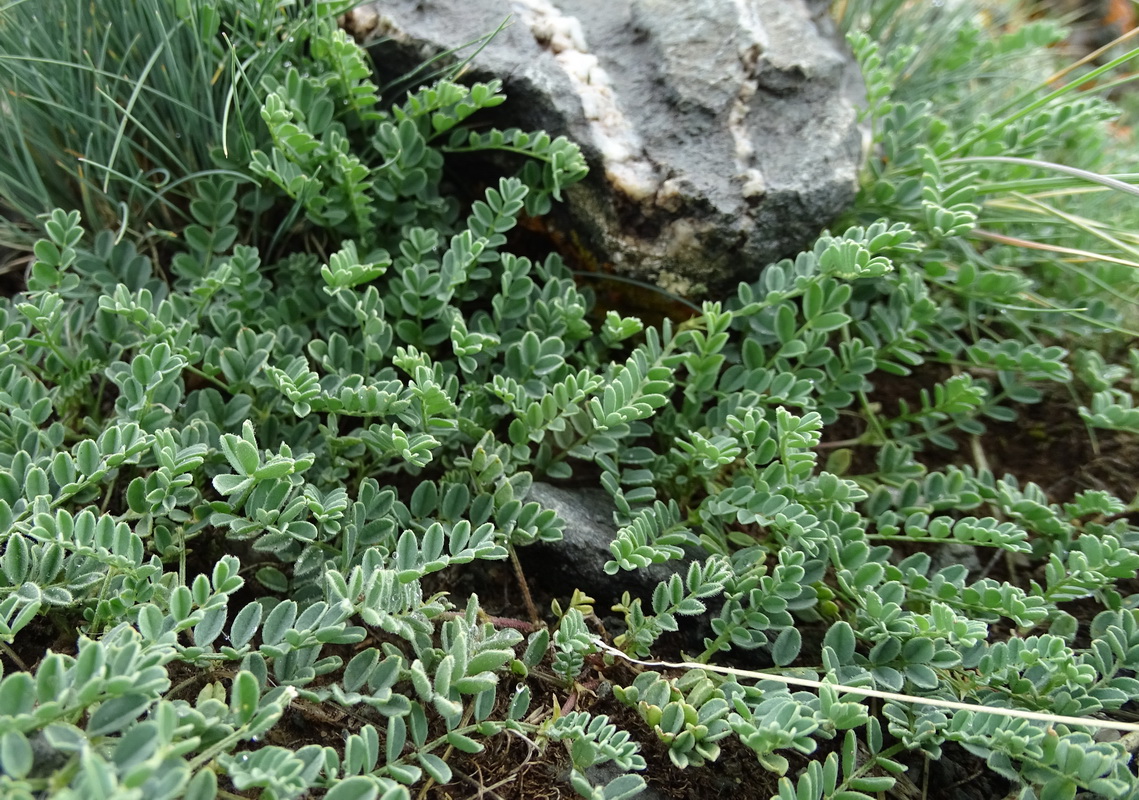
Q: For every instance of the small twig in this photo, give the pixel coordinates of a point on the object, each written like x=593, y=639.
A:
x=483, y=791
x=19, y=662
x=1051, y=248
x=1091, y=57
x=981, y=462
x=446, y=757
x=1010, y=565
x=598, y=624
x=527, y=600
x=992, y=563
x=832, y=445
x=519, y=625
x=972, y=777
x=514, y=773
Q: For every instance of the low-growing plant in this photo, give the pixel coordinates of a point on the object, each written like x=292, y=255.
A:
x=231, y=467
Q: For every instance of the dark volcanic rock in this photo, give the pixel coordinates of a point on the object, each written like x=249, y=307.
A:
x=722, y=134
x=578, y=560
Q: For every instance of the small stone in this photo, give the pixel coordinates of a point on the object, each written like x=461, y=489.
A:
x=578, y=560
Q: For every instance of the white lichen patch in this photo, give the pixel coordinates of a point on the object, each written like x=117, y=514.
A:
x=671, y=195
x=752, y=44
x=753, y=186
x=622, y=153
x=675, y=284
x=366, y=23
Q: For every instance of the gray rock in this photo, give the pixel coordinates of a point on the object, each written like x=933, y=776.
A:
x=722, y=134
x=601, y=774
x=578, y=560
x=955, y=553
x=46, y=757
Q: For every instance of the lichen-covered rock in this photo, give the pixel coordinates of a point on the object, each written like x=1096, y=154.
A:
x=722, y=134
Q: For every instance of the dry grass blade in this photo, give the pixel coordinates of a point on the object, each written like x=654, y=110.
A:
x=1051, y=248
x=864, y=692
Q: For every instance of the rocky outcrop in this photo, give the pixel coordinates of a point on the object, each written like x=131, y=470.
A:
x=722, y=134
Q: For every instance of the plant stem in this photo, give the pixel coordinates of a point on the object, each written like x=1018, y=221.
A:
x=527, y=600
x=19, y=662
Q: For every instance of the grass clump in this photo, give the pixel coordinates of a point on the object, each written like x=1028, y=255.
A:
x=122, y=107
x=239, y=465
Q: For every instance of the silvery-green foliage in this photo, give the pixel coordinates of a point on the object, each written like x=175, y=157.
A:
x=364, y=397
x=572, y=642
x=822, y=778
x=595, y=740
x=672, y=598
x=688, y=714
x=209, y=399
x=1112, y=410
x=654, y=536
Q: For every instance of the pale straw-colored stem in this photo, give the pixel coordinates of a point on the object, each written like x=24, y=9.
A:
x=1086, y=722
